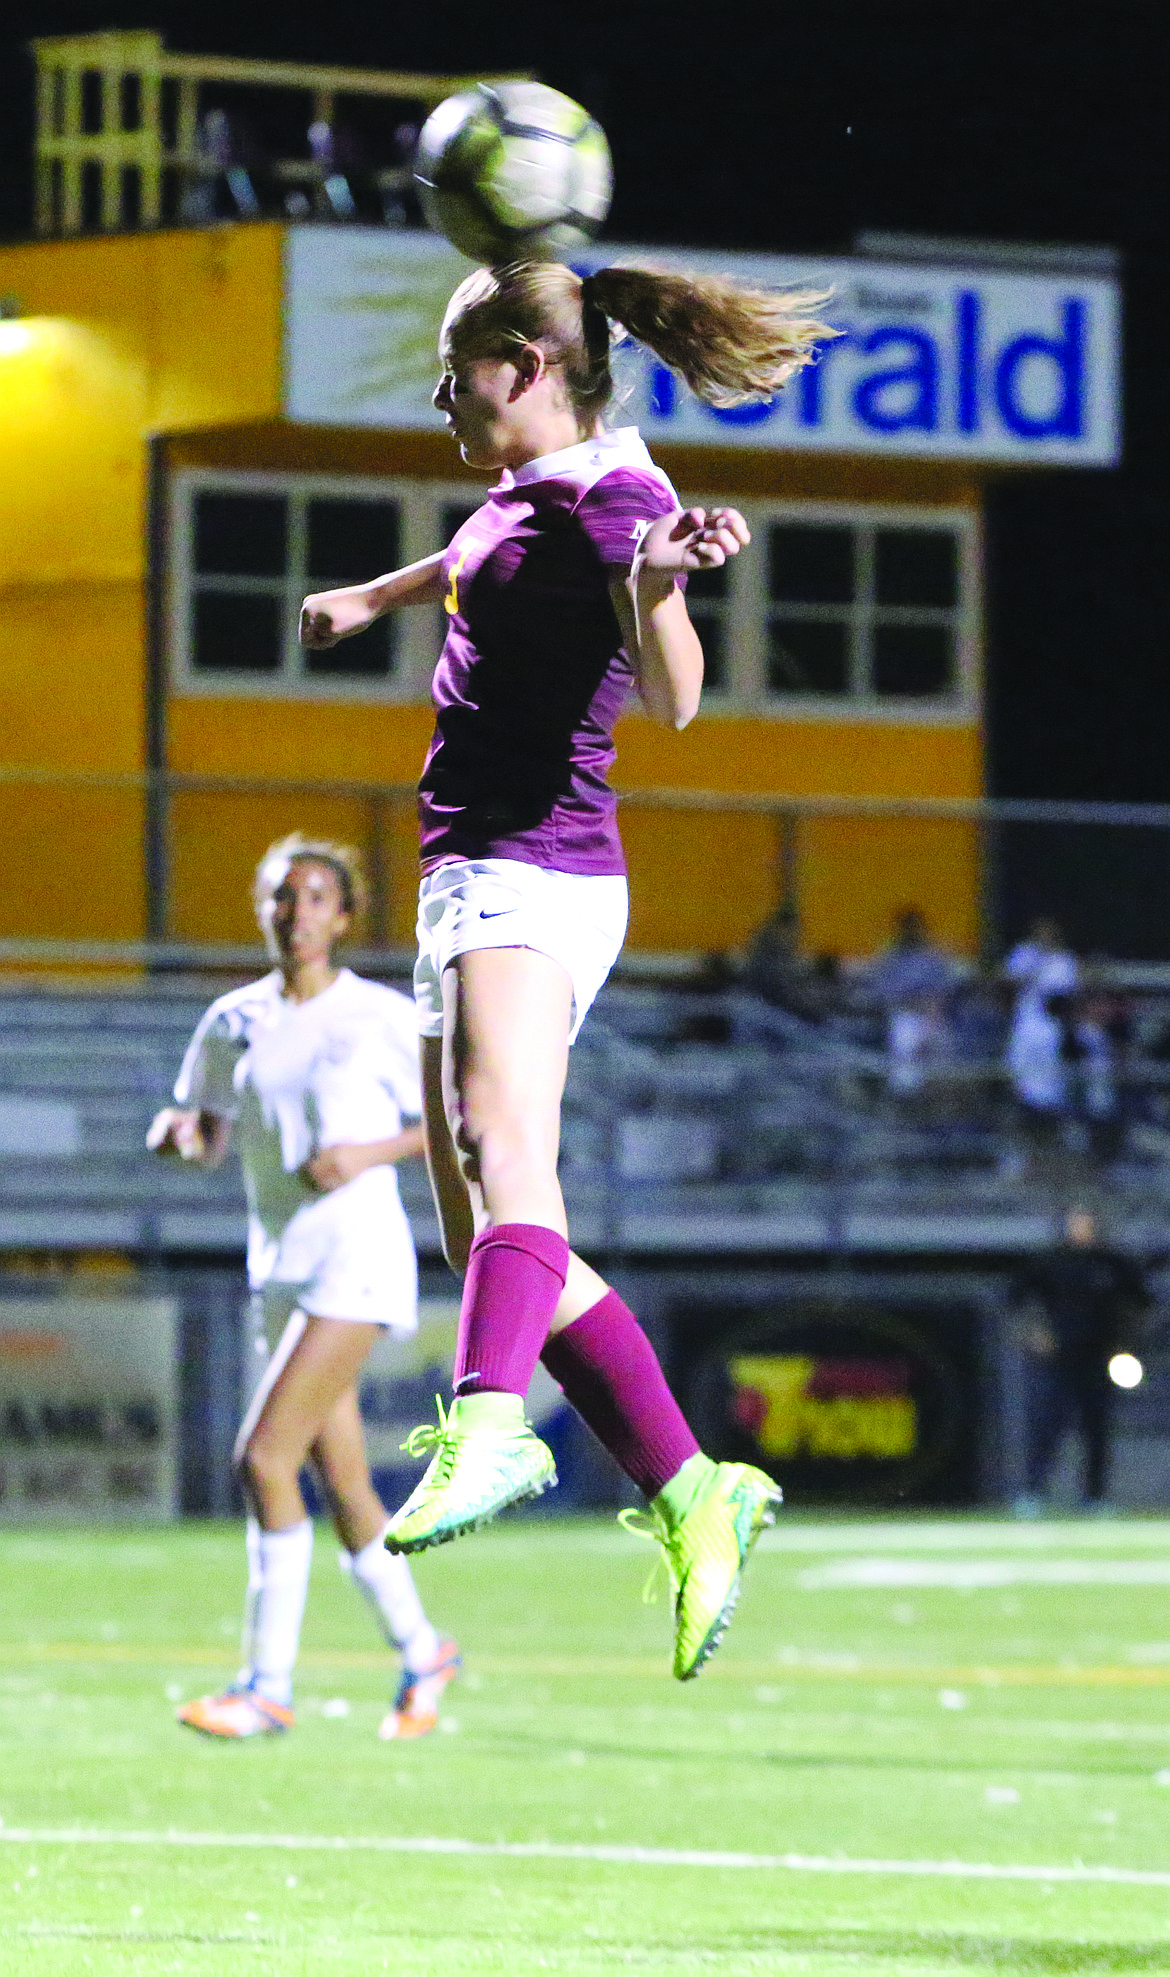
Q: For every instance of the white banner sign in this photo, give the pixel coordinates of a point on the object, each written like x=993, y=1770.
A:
x=88, y=1409
x=948, y=362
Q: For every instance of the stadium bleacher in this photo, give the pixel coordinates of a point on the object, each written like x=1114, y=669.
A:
x=693, y=1122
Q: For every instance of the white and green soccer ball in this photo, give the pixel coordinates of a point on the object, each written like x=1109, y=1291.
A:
x=513, y=171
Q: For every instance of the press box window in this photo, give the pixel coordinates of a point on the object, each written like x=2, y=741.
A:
x=255, y=555
x=863, y=610
x=707, y=610
x=833, y=606
x=916, y=568
x=345, y=538
x=811, y=594
x=241, y=564
x=916, y=596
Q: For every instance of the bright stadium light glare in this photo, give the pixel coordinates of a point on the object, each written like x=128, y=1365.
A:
x=1125, y=1370
x=15, y=338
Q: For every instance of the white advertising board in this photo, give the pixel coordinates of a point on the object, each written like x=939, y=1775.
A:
x=88, y=1410
x=936, y=361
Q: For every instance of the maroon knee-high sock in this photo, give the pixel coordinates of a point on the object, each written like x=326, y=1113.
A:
x=609, y=1372
x=515, y=1275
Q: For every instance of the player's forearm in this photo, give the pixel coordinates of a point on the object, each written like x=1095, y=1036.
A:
x=406, y=1145
x=418, y=583
x=669, y=659
x=409, y=1144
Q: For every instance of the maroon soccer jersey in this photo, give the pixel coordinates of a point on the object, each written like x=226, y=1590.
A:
x=533, y=673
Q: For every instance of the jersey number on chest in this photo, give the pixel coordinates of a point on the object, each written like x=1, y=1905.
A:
x=451, y=601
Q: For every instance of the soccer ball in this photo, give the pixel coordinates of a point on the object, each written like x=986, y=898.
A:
x=513, y=171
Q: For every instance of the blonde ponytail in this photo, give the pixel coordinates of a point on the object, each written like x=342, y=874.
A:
x=731, y=343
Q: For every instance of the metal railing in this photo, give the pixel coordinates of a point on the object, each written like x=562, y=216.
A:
x=124, y=139
x=145, y=868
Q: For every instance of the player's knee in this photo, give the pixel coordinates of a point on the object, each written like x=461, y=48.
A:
x=261, y=1466
x=517, y=1154
x=501, y=1142
x=490, y=1111
x=489, y=1139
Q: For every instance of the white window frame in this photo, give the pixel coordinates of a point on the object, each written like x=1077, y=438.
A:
x=421, y=503
x=748, y=606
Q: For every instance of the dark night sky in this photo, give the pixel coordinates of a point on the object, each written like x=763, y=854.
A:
x=793, y=129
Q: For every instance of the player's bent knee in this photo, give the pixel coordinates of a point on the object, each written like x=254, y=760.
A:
x=489, y=1109
x=518, y=1161
x=496, y=1144
x=261, y=1466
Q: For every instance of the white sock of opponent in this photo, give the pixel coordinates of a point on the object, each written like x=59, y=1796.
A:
x=384, y=1577
x=278, y=1583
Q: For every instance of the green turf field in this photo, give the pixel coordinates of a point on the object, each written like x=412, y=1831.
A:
x=924, y=1747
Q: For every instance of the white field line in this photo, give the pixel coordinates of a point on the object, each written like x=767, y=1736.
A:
x=982, y=1574
x=792, y=1863
x=967, y=1535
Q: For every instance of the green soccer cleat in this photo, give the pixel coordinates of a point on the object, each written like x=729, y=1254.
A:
x=705, y=1554
x=486, y=1457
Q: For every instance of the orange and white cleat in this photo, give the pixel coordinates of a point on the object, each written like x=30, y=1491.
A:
x=416, y=1705
x=239, y=1711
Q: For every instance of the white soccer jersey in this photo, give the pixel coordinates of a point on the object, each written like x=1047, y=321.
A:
x=1041, y=972
x=294, y=1077
x=1034, y=1051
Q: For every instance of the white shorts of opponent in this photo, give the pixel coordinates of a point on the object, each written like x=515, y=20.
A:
x=349, y=1255
x=573, y=917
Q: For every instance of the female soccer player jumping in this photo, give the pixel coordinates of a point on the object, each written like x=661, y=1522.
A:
x=562, y=592
x=315, y=1068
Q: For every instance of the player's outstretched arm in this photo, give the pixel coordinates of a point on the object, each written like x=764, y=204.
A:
x=665, y=651
x=330, y=615
x=202, y=1137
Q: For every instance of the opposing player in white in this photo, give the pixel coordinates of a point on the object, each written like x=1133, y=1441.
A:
x=316, y=1070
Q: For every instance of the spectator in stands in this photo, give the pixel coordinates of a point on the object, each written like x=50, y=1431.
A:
x=776, y=969
x=336, y=154
x=912, y=979
x=1046, y=975
x=231, y=170
x=1102, y=1030
x=400, y=207
x=1080, y=1299
x=1042, y=964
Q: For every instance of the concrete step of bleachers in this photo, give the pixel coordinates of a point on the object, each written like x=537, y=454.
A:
x=128, y=1177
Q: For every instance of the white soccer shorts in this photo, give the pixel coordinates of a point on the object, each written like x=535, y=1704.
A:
x=575, y=918
x=349, y=1255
